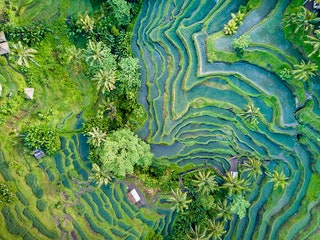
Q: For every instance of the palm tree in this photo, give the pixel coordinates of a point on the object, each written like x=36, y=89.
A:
x=96, y=137
x=304, y=71
x=250, y=114
x=205, y=182
x=253, y=167
x=315, y=43
x=96, y=52
x=234, y=184
x=180, y=200
x=223, y=210
x=301, y=19
x=231, y=27
x=215, y=229
x=196, y=233
x=100, y=176
x=74, y=55
x=86, y=23
x=23, y=54
x=106, y=80
x=279, y=179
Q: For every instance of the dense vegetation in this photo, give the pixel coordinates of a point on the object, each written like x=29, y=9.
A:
x=78, y=57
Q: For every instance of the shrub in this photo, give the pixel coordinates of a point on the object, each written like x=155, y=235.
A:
x=41, y=137
x=6, y=194
x=41, y=205
x=31, y=181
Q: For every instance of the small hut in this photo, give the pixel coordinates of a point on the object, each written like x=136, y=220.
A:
x=133, y=196
x=4, y=46
x=28, y=92
x=38, y=154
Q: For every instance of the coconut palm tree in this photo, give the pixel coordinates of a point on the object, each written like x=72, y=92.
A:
x=234, y=184
x=205, y=182
x=96, y=52
x=23, y=54
x=315, y=43
x=301, y=19
x=197, y=233
x=215, y=229
x=106, y=80
x=250, y=114
x=223, y=210
x=278, y=178
x=231, y=27
x=253, y=167
x=179, y=199
x=304, y=71
x=86, y=23
x=74, y=55
x=100, y=175
x=96, y=137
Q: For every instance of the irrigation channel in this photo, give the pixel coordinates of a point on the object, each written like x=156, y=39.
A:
x=192, y=105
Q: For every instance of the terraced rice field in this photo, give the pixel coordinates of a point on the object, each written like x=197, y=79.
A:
x=79, y=210
x=193, y=103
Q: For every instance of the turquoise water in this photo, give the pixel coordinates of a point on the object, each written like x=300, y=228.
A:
x=192, y=104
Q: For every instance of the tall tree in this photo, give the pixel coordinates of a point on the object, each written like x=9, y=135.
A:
x=252, y=167
x=279, y=179
x=96, y=137
x=315, y=43
x=250, y=114
x=23, y=54
x=106, y=80
x=239, y=206
x=85, y=23
x=223, y=210
x=234, y=184
x=301, y=20
x=180, y=200
x=121, y=10
x=129, y=74
x=101, y=176
x=197, y=233
x=215, y=229
x=122, y=151
x=304, y=71
x=97, y=53
x=205, y=182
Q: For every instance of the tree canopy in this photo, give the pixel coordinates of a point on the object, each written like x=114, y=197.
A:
x=122, y=151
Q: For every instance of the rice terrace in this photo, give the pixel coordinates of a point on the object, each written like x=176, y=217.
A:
x=160, y=119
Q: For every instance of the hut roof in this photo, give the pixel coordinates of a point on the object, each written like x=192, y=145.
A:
x=38, y=154
x=29, y=93
x=4, y=48
x=2, y=37
x=133, y=196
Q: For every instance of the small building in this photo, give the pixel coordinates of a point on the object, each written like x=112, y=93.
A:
x=38, y=154
x=234, y=174
x=0, y=90
x=4, y=46
x=133, y=196
x=28, y=92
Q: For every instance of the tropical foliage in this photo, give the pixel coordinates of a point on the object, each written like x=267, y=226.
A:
x=250, y=114
x=179, y=199
x=279, y=179
x=41, y=137
x=304, y=71
x=205, y=182
x=122, y=151
x=239, y=206
x=23, y=54
x=252, y=167
x=6, y=194
x=100, y=176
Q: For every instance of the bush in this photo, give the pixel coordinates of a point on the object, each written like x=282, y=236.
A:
x=31, y=181
x=6, y=194
x=41, y=205
x=41, y=137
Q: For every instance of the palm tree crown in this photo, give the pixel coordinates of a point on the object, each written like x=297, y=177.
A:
x=96, y=137
x=253, y=167
x=315, y=43
x=180, y=200
x=197, y=233
x=250, y=114
x=205, y=182
x=279, y=179
x=106, y=80
x=23, y=54
x=215, y=229
x=234, y=184
x=100, y=176
x=304, y=70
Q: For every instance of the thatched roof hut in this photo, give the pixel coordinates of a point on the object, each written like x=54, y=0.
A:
x=28, y=92
x=133, y=196
x=2, y=37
